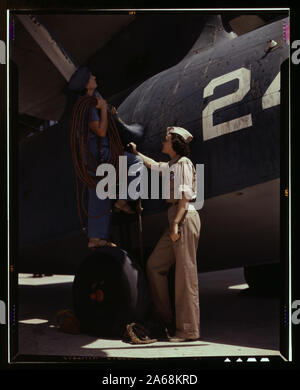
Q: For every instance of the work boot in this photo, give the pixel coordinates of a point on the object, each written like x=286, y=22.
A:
x=99, y=242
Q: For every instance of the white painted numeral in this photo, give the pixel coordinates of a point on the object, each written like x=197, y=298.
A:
x=271, y=97
x=211, y=131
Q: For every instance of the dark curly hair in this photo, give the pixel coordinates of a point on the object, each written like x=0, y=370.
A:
x=179, y=145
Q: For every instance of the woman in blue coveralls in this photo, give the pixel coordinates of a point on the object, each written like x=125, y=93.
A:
x=84, y=82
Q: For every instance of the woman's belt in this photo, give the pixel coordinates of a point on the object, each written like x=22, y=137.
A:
x=175, y=201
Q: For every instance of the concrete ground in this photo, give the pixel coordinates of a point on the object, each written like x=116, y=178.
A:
x=231, y=324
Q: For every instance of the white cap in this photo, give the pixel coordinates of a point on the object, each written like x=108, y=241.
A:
x=186, y=135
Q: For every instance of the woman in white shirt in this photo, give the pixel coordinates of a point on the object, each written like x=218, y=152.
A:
x=179, y=243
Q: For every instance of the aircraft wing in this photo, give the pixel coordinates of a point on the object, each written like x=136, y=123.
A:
x=41, y=84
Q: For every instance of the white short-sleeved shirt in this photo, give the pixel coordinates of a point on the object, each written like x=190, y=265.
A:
x=182, y=178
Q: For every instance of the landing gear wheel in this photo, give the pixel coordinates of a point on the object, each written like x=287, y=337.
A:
x=109, y=292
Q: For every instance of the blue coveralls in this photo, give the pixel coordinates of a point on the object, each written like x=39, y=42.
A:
x=99, y=227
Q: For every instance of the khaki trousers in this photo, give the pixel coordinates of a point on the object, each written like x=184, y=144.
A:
x=183, y=253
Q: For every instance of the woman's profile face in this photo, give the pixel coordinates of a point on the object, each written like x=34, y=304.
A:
x=167, y=144
x=92, y=84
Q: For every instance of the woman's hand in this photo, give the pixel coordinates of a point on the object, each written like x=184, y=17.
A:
x=132, y=146
x=101, y=104
x=174, y=234
x=113, y=110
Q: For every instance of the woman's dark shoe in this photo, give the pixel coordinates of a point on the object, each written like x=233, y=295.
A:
x=122, y=205
x=176, y=339
x=99, y=242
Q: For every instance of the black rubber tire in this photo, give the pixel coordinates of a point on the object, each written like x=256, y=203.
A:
x=126, y=296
